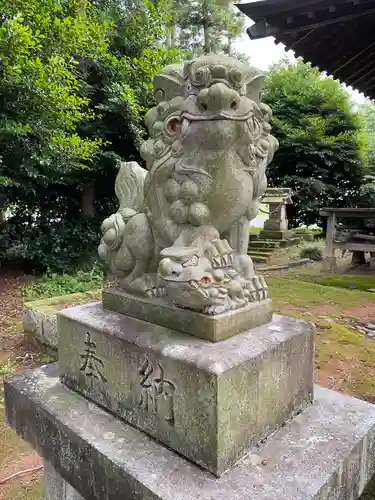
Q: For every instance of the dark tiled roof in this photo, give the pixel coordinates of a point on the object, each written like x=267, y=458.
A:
x=338, y=36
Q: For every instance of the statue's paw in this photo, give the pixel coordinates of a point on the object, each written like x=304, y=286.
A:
x=243, y=265
x=237, y=303
x=215, y=309
x=264, y=287
x=258, y=289
x=146, y=285
x=221, y=253
x=158, y=291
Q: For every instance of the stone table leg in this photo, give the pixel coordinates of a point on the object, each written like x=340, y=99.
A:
x=329, y=261
x=55, y=487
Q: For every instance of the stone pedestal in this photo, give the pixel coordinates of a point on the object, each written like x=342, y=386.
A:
x=325, y=453
x=278, y=220
x=276, y=227
x=208, y=401
x=213, y=328
x=329, y=264
x=55, y=487
x=275, y=234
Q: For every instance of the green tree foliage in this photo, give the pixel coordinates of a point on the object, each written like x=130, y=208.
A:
x=366, y=197
x=204, y=26
x=75, y=79
x=319, y=155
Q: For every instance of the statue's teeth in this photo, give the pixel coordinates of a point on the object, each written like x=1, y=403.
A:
x=194, y=284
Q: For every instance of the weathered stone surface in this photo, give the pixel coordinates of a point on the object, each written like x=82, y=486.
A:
x=55, y=487
x=210, y=402
x=40, y=326
x=325, y=453
x=276, y=235
x=329, y=264
x=39, y=316
x=181, y=228
x=274, y=224
x=213, y=328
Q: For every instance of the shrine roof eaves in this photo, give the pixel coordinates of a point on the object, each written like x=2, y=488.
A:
x=337, y=36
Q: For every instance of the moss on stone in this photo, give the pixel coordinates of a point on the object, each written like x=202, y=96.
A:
x=56, y=303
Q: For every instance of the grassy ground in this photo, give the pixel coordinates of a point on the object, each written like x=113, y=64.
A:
x=345, y=360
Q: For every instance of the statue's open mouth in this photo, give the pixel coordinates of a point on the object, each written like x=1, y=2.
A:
x=221, y=115
x=195, y=286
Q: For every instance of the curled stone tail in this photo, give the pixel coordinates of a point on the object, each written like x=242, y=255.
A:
x=129, y=188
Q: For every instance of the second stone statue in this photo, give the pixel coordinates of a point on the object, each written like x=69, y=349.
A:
x=181, y=230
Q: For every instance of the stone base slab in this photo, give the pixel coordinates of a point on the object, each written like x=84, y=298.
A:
x=327, y=452
x=276, y=225
x=275, y=235
x=213, y=328
x=55, y=487
x=329, y=264
x=209, y=402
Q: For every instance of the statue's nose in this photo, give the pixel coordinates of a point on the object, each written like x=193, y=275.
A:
x=218, y=97
x=169, y=268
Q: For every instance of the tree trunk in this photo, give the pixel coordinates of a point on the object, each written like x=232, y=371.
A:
x=173, y=36
x=206, y=32
x=87, y=201
x=230, y=41
x=168, y=39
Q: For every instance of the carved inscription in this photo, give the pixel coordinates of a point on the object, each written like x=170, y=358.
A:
x=157, y=393
x=92, y=366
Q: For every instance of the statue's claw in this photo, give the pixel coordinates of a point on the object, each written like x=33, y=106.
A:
x=264, y=287
x=158, y=291
x=258, y=289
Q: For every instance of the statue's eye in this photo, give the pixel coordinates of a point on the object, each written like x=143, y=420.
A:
x=194, y=260
x=190, y=90
x=191, y=262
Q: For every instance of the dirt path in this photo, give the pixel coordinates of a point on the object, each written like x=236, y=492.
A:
x=15, y=457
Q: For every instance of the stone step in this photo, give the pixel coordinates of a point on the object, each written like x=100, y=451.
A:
x=293, y=241
x=261, y=250
x=256, y=253
x=325, y=452
x=259, y=258
x=265, y=244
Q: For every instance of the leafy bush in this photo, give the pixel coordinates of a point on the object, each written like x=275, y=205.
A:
x=54, y=285
x=311, y=252
x=45, y=244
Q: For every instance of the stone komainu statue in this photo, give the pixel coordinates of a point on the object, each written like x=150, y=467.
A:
x=181, y=230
